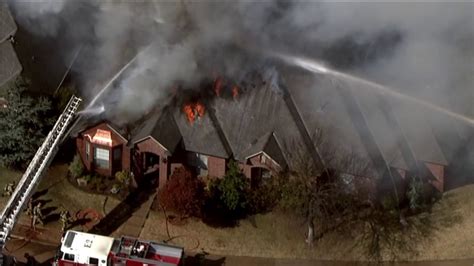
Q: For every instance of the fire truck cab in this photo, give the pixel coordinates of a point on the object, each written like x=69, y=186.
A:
x=78, y=248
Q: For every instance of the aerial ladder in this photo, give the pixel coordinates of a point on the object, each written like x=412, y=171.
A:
x=38, y=165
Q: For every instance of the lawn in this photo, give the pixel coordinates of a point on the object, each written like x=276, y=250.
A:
x=276, y=235
x=7, y=176
x=58, y=194
x=270, y=235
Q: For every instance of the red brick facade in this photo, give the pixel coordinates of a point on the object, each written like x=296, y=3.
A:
x=438, y=172
x=216, y=166
x=165, y=162
x=150, y=145
x=260, y=160
x=86, y=145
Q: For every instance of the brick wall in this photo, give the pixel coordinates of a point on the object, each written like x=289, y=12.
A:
x=260, y=160
x=438, y=171
x=216, y=166
x=152, y=146
x=117, y=142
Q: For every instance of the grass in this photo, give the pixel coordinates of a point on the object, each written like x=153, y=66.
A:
x=59, y=194
x=7, y=176
x=278, y=236
x=270, y=235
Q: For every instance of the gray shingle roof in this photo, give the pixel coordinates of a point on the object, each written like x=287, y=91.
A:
x=418, y=132
x=250, y=119
x=7, y=24
x=10, y=67
x=200, y=136
x=323, y=109
x=162, y=127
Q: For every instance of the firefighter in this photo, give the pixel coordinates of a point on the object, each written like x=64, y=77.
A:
x=65, y=218
x=29, y=208
x=8, y=190
x=37, y=216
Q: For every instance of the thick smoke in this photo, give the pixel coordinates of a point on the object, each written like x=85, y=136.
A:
x=425, y=49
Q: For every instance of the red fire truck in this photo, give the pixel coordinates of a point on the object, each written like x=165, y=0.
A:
x=78, y=248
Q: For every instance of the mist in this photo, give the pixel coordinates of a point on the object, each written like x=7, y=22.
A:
x=421, y=49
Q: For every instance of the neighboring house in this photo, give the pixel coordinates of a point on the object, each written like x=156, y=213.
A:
x=259, y=131
x=10, y=66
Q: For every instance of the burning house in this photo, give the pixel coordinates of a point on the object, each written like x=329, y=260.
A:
x=364, y=135
x=203, y=135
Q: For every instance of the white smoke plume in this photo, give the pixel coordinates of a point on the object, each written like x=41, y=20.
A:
x=422, y=48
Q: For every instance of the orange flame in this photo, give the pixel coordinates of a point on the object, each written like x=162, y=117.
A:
x=235, y=91
x=189, y=111
x=218, y=86
x=194, y=110
x=200, y=109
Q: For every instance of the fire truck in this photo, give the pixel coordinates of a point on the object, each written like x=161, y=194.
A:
x=78, y=248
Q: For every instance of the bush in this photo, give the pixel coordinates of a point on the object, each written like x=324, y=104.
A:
x=232, y=189
x=123, y=177
x=76, y=168
x=183, y=193
x=415, y=193
x=264, y=197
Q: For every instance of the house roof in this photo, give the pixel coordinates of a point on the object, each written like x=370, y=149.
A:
x=7, y=24
x=269, y=145
x=418, y=131
x=322, y=109
x=247, y=121
x=201, y=136
x=162, y=127
x=10, y=66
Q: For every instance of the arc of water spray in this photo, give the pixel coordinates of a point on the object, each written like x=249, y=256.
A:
x=317, y=67
x=116, y=76
x=90, y=107
x=68, y=69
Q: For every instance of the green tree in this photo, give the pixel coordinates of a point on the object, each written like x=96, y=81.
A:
x=24, y=124
x=76, y=168
x=233, y=188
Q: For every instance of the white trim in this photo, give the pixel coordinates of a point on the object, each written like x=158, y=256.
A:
x=115, y=131
x=264, y=153
x=152, y=138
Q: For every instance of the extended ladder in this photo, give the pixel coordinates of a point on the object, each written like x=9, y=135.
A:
x=33, y=173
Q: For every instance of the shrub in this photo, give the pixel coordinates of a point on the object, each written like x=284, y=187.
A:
x=415, y=193
x=264, y=197
x=183, y=193
x=232, y=189
x=76, y=168
x=123, y=177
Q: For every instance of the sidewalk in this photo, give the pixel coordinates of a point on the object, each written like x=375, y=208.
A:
x=134, y=225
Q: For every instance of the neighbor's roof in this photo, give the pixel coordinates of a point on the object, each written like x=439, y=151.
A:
x=162, y=127
x=96, y=246
x=7, y=24
x=10, y=66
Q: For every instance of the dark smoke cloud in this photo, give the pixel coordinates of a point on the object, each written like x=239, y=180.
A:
x=424, y=48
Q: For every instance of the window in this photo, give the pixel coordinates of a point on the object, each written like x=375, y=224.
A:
x=202, y=161
x=69, y=257
x=117, y=154
x=88, y=150
x=93, y=261
x=101, y=157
